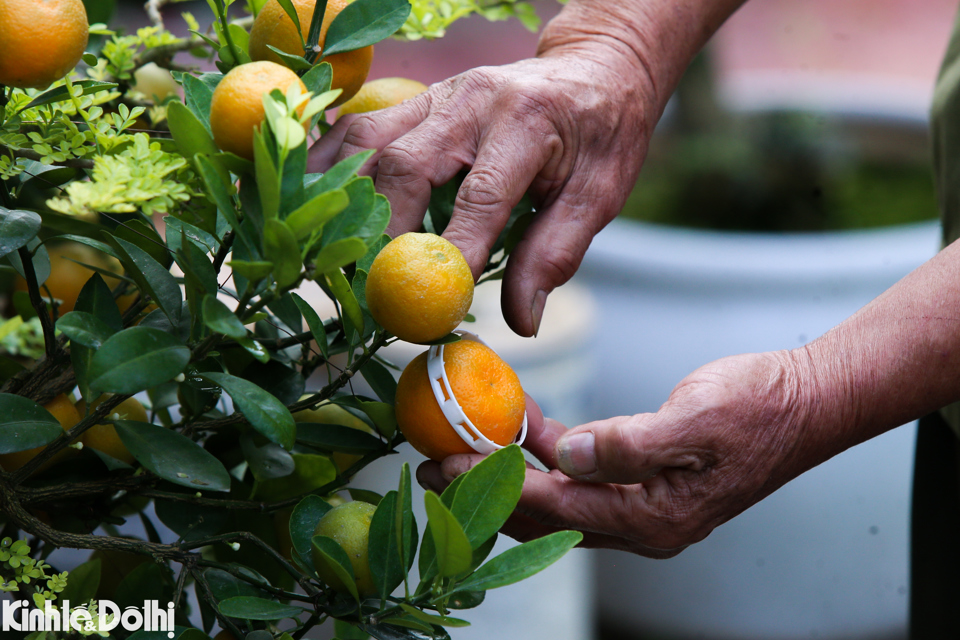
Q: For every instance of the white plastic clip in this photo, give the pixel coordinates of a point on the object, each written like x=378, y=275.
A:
x=452, y=410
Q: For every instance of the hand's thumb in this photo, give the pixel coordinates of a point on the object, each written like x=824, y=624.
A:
x=623, y=450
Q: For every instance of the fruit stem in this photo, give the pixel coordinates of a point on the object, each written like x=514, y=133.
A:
x=222, y=15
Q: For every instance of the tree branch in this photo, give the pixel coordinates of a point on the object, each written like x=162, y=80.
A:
x=76, y=163
x=36, y=300
x=309, y=401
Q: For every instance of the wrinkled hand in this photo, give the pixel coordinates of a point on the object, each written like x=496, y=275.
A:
x=730, y=433
x=571, y=127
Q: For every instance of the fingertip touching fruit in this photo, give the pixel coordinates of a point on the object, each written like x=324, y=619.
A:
x=349, y=525
x=420, y=287
x=41, y=41
x=486, y=388
x=274, y=27
x=236, y=108
x=382, y=93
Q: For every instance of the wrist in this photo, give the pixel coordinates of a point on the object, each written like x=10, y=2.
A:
x=649, y=43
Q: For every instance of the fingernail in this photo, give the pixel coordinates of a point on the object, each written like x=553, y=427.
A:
x=539, y=302
x=576, y=454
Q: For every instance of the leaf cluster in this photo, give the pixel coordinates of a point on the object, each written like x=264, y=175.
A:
x=195, y=304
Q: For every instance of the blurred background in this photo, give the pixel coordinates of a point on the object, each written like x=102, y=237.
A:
x=788, y=184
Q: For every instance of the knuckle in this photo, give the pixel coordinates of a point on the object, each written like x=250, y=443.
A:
x=400, y=163
x=362, y=131
x=559, y=264
x=482, y=190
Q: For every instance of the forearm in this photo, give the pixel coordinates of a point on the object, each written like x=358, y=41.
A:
x=895, y=360
x=655, y=39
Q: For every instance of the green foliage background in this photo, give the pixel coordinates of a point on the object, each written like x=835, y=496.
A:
x=241, y=483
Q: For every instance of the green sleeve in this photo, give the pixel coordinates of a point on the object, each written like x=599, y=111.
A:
x=945, y=136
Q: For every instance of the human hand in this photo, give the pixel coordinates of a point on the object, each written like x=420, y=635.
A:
x=570, y=127
x=730, y=434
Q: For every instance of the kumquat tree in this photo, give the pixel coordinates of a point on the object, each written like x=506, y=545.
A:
x=169, y=402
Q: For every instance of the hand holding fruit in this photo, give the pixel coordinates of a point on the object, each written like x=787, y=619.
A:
x=655, y=483
x=533, y=126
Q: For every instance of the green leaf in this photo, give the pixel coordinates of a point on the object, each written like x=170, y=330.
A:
x=264, y=412
x=193, y=522
x=365, y=22
x=189, y=132
x=280, y=247
x=428, y=553
x=489, y=493
x=198, y=93
x=443, y=621
x=252, y=271
x=251, y=608
x=96, y=298
x=90, y=242
x=291, y=12
x=220, y=192
x=521, y=562
x=339, y=254
x=334, y=437
x=405, y=525
x=320, y=76
x=387, y=566
x=268, y=178
x=61, y=93
x=290, y=60
x=268, y=461
x=175, y=227
x=313, y=322
x=452, y=547
x=382, y=415
x=287, y=312
x=144, y=582
x=380, y=380
x=311, y=472
x=339, y=174
x=40, y=260
x=224, y=586
x=17, y=228
x=233, y=163
x=348, y=302
x=82, y=582
x=359, y=218
x=172, y=456
x=198, y=271
x=342, y=629
x=152, y=277
x=84, y=329
x=375, y=248
x=136, y=359
x=336, y=561
x=314, y=213
x=221, y=319
x=24, y=424
x=303, y=522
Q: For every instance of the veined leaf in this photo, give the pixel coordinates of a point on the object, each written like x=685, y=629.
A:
x=172, y=456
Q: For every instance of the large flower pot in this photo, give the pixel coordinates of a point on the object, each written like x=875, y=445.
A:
x=823, y=557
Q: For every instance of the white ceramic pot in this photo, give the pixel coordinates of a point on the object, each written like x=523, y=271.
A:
x=825, y=556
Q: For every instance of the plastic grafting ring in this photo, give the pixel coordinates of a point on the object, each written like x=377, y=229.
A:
x=452, y=410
